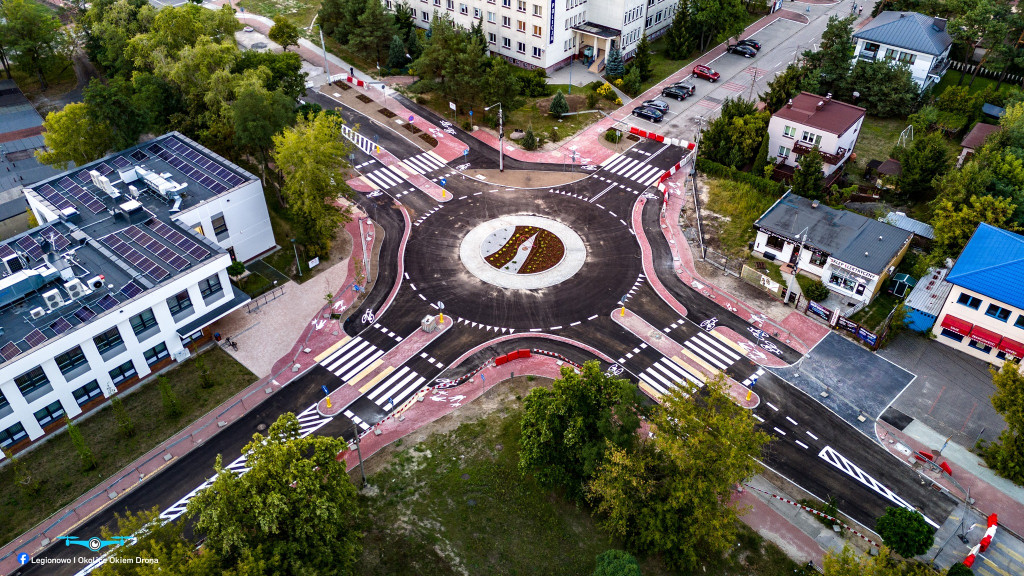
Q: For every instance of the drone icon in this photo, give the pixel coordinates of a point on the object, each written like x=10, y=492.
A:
x=94, y=543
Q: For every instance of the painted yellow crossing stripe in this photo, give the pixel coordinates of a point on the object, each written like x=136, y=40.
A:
x=995, y=567
x=355, y=380
x=377, y=378
x=701, y=363
x=437, y=156
x=695, y=373
x=729, y=343
x=650, y=391
x=331, y=350
x=1009, y=552
x=369, y=182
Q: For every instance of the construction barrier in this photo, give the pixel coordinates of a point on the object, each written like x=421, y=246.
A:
x=511, y=356
x=817, y=513
x=990, y=533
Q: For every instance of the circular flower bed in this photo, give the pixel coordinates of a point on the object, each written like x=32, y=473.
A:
x=523, y=249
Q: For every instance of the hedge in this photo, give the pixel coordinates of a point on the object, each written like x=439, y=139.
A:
x=762, y=185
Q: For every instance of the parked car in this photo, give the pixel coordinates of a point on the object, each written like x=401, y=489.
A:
x=659, y=105
x=675, y=92
x=648, y=114
x=690, y=87
x=750, y=42
x=706, y=72
x=745, y=51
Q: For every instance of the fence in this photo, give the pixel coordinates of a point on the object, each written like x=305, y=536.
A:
x=762, y=281
x=836, y=320
x=727, y=264
x=255, y=304
x=968, y=70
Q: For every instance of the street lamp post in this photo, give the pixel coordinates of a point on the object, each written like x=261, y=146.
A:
x=296, y=250
x=796, y=266
x=501, y=136
x=327, y=68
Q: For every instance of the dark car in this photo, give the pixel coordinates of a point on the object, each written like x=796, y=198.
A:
x=690, y=87
x=675, y=92
x=648, y=114
x=659, y=105
x=706, y=72
x=745, y=51
x=750, y=42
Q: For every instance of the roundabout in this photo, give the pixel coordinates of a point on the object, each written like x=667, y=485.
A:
x=522, y=252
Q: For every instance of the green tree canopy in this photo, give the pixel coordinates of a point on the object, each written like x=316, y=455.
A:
x=502, y=84
x=613, y=65
x=849, y=562
x=372, y=36
x=35, y=37
x=284, y=32
x=312, y=157
x=809, y=178
x=955, y=223
x=713, y=20
x=642, y=59
x=926, y=159
x=678, y=41
x=783, y=87
x=293, y=512
x=396, y=53
x=158, y=541
x=258, y=115
x=734, y=138
x=567, y=429
x=669, y=495
x=886, y=90
x=178, y=27
x=73, y=136
x=616, y=563
x=558, y=105
x=905, y=531
x=1006, y=456
x=830, y=65
x=285, y=70
x=109, y=25
x=340, y=18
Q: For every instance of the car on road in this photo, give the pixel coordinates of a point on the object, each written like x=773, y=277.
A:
x=648, y=114
x=675, y=92
x=659, y=105
x=750, y=42
x=690, y=87
x=706, y=72
x=745, y=51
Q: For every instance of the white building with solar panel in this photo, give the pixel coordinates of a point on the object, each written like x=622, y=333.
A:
x=125, y=272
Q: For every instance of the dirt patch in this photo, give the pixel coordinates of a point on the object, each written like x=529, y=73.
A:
x=576, y=103
x=430, y=140
x=386, y=113
x=412, y=128
x=364, y=98
x=342, y=86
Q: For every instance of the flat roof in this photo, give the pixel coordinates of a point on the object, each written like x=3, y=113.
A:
x=128, y=237
x=930, y=293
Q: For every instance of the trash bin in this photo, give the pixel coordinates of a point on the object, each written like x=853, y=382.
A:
x=216, y=336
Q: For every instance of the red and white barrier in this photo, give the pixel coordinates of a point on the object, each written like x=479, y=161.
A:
x=816, y=513
x=986, y=540
x=660, y=138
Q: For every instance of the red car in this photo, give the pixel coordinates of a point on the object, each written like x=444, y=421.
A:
x=706, y=73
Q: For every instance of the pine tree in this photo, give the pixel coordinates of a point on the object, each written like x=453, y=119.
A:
x=529, y=140
x=642, y=59
x=632, y=81
x=678, y=41
x=613, y=65
x=558, y=105
x=396, y=53
x=761, y=160
x=78, y=441
x=809, y=180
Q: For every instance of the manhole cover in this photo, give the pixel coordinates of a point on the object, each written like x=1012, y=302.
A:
x=261, y=427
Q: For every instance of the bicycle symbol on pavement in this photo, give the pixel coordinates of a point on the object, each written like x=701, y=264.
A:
x=759, y=334
x=614, y=370
x=709, y=324
x=448, y=127
x=462, y=167
x=772, y=348
x=368, y=317
x=374, y=194
x=589, y=167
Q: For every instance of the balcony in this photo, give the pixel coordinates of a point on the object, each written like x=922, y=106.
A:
x=868, y=55
x=939, y=67
x=834, y=159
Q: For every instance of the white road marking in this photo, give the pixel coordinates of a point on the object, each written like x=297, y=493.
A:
x=809, y=433
x=801, y=444
x=772, y=406
x=779, y=430
x=792, y=421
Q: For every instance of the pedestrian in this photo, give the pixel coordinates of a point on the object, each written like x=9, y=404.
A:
x=860, y=11
x=352, y=71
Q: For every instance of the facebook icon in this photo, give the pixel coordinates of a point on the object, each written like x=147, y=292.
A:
x=24, y=558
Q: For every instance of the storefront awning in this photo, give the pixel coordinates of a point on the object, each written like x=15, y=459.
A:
x=985, y=336
x=1012, y=347
x=961, y=327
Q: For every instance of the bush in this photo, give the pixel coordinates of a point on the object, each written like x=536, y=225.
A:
x=616, y=563
x=555, y=136
x=467, y=126
x=612, y=135
x=592, y=98
x=236, y=269
x=559, y=106
x=594, y=85
x=124, y=420
x=816, y=291
x=422, y=100
x=905, y=531
x=529, y=141
x=172, y=408
x=78, y=441
x=959, y=569
x=605, y=91
x=762, y=185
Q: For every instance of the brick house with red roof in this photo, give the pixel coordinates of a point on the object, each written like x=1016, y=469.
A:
x=810, y=120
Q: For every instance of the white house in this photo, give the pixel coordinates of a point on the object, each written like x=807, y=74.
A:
x=919, y=41
x=809, y=120
x=852, y=254
x=126, y=270
x=546, y=33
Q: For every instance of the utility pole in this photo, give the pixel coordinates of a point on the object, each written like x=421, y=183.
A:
x=796, y=266
x=327, y=69
x=501, y=137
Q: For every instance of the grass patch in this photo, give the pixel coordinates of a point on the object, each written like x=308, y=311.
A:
x=805, y=282
x=60, y=80
x=300, y=12
x=872, y=315
x=456, y=503
x=739, y=205
x=56, y=465
x=980, y=84
x=877, y=138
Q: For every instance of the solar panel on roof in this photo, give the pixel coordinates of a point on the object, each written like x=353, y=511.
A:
x=83, y=177
x=155, y=148
x=6, y=251
x=104, y=168
x=121, y=162
x=53, y=197
x=82, y=195
x=163, y=252
x=58, y=240
x=139, y=155
x=131, y=289
x=35, y=338
x=178, y=239
x=107, y=302
x=122, y=249
x=84, y=313
x=10, y=350
x=30, y=246
x=61, y=325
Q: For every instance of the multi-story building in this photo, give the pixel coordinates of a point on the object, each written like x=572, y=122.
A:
x=546, y=34
x=983, y=313
x=125, y=272
x=809, y=120
x=921, y=42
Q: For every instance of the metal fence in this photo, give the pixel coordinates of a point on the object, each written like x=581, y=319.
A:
x=762, y=281
x=723, y=262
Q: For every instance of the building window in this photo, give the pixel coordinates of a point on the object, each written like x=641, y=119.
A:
x=155, y=353
x=520, y=26
x=907, y=58
x=952, y=335
x=32, y=380
x=70, y=360
x=980, y=346
x=220, y=226
x=1019, y=322
x=87, y=393
x=424, y=15
x=477, y=14
x=521, y=5
x=506, y=21
x=450, y=4
x=506, y=3
x=143, y=321
x=12, y=435
x=108, y=340
x=491, y=17
x=520, y=47
x=50, y=413
x=810, y=138
x=463, y=9
x=122, y=372
x=3, y=401
x=818, y=259
x=842, y=281
x=492, y=38
x=657, y=17
x=783, y=152
x=998, y=312
x=537, y=52
x=969, y=301
x=506, y=43
x=789, y=132
x=537, y=31
x=179, y=303
x=776, y=242
x=538, y=10
x=210, y=286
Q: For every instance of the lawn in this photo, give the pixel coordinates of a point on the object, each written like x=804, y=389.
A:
x=300, y=12
x=456, y=503
x=57, y=469
x=739, y=205
x=872, y=315
x=951, y=77
x=877, y=138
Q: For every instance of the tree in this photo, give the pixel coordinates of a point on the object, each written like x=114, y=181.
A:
x=567, y=429
x=922, y=162
x=112, y=104
x=954, y=224
x=783, y=87
x=258, y=115
x=849, y=562
x=1006, y=456
x=762, y=156
x=959, y=569
x=293, y=512
x=34, y=35
x=670, y=494
x=905, y=531
x=78, y=441
x=642, y=59
x=71, y=135
x=169, y=398
x=284, y=32
x=109, y=25
x=340, y=17
x=502, y=84
x=714, y=19
x=285, y=70
x=558, y=105
x=405, y=21
x=886, y=90
x=160, y=543
x=374, y=32
x=830, y=65
x=809, y=178
x=311, y=156
x=125, y=426
x=180, y=27
x=631, y=82
x=734, y=138
x=397, y=58
x=613, y=65
x=817, y=291
x=616, y=563
x=679, y=43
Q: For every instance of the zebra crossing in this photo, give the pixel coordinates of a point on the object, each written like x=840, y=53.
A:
x=753, y=377
x=385, y=330
x=398, y=387
x=386, y=177
x=425, y=162
x=631, y=169
x=710, y=350
x=361, y=142
x=352, y=358
x=432, y=360
x=665, y=375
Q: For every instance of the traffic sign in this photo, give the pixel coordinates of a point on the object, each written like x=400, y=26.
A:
x=412, y=118
x=443, y=181
x=326, y=392
x=465, y=152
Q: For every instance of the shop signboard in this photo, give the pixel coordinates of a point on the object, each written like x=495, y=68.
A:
x=847, y=325
x=819, y=310
x=869, y=338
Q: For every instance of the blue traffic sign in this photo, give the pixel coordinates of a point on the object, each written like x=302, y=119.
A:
x=465, y=152
x=326, y=393
x=443, y=181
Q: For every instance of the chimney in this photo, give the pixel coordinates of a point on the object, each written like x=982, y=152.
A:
x=821, y=104
x=790, y=103
x=902, y=14
x=814, y=204
x=828, y=97
x=879, y=238
x=939, y=24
